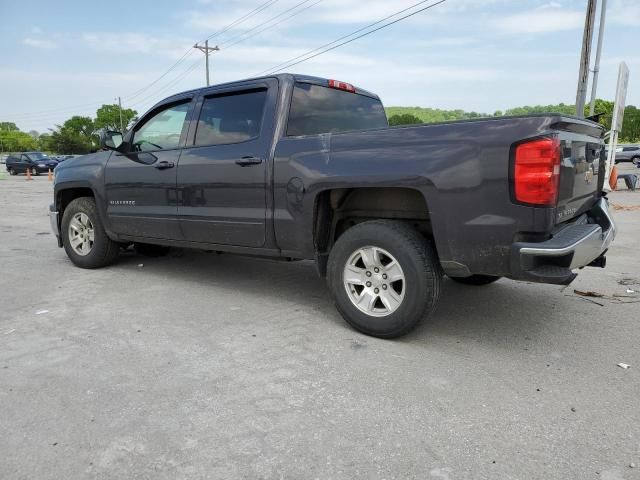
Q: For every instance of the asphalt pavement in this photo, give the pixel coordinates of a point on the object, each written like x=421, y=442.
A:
x=198, y=365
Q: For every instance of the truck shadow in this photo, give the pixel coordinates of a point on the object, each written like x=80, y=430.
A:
x=504, y=314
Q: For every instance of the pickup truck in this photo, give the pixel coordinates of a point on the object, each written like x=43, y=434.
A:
x=300, y=167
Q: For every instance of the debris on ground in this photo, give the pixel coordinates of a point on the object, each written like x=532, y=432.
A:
x=10, y=331
x=615, y=298
x=141, y=265
x=624, y=365
x=629, y=281
x=626, y=208
x=588, y=294
x=42, y=312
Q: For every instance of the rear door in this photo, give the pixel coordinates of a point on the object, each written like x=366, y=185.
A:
x=222, y=172
x=141, y=182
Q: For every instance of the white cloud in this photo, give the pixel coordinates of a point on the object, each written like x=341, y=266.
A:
x=548, y=18
x=40, y=43
x=135, y=43
x=625, y=12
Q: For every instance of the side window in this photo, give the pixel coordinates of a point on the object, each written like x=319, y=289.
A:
x=231, y=118
x=162, y=131
x=24, y=159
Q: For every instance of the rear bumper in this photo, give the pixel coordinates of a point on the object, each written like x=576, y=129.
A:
x=576, y=245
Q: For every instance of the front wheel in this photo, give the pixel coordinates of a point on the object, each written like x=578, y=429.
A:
x=83, y=236
x=12, y=171
x=636, y=161
x=384, y=276
x=477, y=280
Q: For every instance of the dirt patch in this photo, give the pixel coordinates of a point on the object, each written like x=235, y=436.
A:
x=626, y=208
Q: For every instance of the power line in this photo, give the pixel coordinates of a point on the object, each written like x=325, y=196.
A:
x=287, y=63
x=243, y=36
x=255, y=11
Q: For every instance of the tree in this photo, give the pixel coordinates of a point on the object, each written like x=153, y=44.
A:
x=8, y=127
x=404, y=119
x=16, y=141
x=75, y=136
x=108, y=117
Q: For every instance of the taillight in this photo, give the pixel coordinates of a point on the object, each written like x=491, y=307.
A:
x=338, y=85
x=537, y=171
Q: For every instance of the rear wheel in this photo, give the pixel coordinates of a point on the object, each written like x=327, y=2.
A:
x=83, y=236
x=636, y=160
x=12, y=171
x=476, y=279
x=384, y=276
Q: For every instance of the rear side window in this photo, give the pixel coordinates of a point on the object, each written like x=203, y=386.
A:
x=231, y=118
x=316, y=109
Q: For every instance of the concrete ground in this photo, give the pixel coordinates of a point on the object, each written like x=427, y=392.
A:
x=199, y=365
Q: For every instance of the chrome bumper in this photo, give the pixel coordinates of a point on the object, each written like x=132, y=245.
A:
x=575, y=246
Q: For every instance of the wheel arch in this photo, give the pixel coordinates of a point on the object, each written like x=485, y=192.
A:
x=336, y=210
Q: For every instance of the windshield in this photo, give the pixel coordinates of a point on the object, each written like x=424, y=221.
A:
x=38, y=156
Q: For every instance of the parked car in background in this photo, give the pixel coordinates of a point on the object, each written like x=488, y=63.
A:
x=37, y=162
x=627, y=153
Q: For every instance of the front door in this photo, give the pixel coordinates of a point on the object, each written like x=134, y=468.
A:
x=141, y=181
x=222, y=173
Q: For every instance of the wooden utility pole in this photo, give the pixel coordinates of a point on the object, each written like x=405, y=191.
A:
x=206, y=49
x=583, y=76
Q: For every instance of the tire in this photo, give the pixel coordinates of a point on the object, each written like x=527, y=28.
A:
x=419, y=267
x=150, y=250
x=35, y=172
x=102, y=251
x=636, y=161
x=12, y=171
x=476, y=279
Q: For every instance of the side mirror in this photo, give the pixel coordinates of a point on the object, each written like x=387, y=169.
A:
x=110, y=140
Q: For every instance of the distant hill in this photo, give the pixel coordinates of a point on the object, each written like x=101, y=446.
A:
x=405, y=115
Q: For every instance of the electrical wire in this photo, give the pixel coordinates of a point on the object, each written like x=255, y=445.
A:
x=287, y=63
x=255, y=11
x=243, y=36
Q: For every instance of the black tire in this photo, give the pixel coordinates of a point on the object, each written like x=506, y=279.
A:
x=636, y=161
x=418, y=260
x=104, y=251
x=35, y=172
x=150, y=250
x=476, y=279
x=12, y=171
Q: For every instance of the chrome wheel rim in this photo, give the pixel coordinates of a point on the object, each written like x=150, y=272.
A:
x=81, y=234
x=374, y=281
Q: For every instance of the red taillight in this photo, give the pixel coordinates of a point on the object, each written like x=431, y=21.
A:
x=536, y=172
x=338, y=85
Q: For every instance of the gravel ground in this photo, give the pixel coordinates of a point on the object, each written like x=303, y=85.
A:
x=200, y=365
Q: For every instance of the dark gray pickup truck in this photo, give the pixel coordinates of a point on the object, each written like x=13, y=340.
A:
x=301, y=167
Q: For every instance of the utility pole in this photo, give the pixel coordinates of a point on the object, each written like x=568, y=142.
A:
x=206, y=49
x=596, y=67
x=583, y=76
x=120, y=107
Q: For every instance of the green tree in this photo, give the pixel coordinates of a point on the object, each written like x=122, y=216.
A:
x=75, y=136
x=404, y=119
x=16, y=141
x=108, y=117
x=8, y=127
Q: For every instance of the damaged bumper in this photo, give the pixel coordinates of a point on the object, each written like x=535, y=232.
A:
x=578, y=244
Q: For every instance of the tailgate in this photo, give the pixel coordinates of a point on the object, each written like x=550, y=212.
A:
x=581, y=166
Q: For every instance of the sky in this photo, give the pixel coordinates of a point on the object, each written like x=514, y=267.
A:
x=64, y=58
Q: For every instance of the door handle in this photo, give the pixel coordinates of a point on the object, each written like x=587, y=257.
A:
x=248, y=160
x=163, y=165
